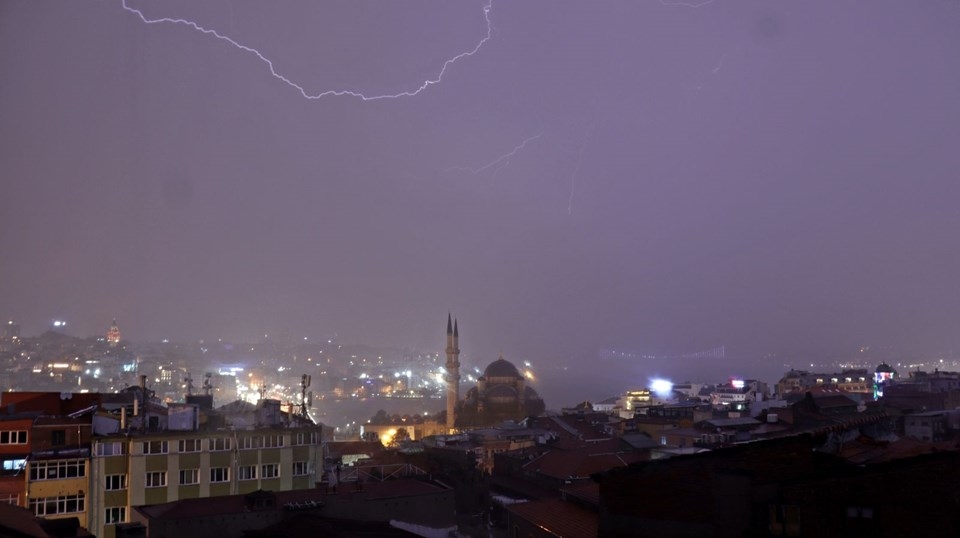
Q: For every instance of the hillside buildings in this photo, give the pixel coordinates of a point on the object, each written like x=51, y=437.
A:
x=95, y=457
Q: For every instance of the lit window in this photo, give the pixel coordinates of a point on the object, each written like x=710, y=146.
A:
x=14, y=466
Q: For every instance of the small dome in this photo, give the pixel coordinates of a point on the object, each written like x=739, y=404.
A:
x=501, y=368
x=885, y=368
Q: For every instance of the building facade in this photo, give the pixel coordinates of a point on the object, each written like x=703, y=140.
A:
x=159, y=467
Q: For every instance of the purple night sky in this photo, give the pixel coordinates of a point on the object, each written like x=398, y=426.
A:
x=770, y=175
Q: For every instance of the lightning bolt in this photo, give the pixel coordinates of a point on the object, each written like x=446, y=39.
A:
x=327, y=93
x=502, y=160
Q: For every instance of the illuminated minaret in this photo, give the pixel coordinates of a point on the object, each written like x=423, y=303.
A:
x=453, y=372
x=113, y=335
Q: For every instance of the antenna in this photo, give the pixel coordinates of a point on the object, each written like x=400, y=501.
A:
x=304, y=383
x=189, y=381
x=207, y=386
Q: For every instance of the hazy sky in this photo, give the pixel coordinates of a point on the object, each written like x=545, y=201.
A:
x=768, y=175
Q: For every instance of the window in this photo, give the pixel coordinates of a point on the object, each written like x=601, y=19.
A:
x=189, y=476
x=300, y=438
x=58, y=437
x=10, y=498
x=219, y=444
x=247, y=472
x=154, y=447
x=219, y=474
x=115, y=514
x=156, y=479
x=248, y=443
x=784, y=520
x=305, y=438
x=116, y=481
x=300, y=468
x=189, y=445
x=14, y=466
x=57, y=469
x=270, y=470
x=111, y=449
x=13, y=438
x=62, y=504
x=860, y=512
x=272, y=441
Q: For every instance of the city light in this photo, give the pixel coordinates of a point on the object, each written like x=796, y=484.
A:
x=662, y=387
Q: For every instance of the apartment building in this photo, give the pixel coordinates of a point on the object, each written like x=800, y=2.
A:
x=45, y=452
x=258, y=448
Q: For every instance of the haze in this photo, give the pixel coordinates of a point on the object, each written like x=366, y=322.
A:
x=771, y=176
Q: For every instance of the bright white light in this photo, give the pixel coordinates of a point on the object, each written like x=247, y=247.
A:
x=663, y=387
x=737, y=383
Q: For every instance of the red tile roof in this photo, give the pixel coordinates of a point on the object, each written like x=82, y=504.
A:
x=582, y=462
x=19, y=520
x=588, y=492
x=559, y=518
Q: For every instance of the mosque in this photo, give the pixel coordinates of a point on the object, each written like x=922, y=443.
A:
x=501, y=392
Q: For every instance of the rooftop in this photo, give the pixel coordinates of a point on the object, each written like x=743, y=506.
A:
x=557, y=517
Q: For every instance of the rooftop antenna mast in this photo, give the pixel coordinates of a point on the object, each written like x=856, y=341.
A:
x=304, y=384
x=207, y=386
x=189, y=381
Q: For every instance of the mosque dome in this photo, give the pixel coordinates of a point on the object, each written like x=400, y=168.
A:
x=501, y=368
x=501, y=394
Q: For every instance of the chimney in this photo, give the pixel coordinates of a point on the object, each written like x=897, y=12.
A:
x=143, y=382
x=136, y=407
x=123, y=418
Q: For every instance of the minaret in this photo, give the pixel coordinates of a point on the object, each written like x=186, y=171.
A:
x=453, y=372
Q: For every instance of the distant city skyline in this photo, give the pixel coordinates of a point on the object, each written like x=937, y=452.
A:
x=655, y=177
